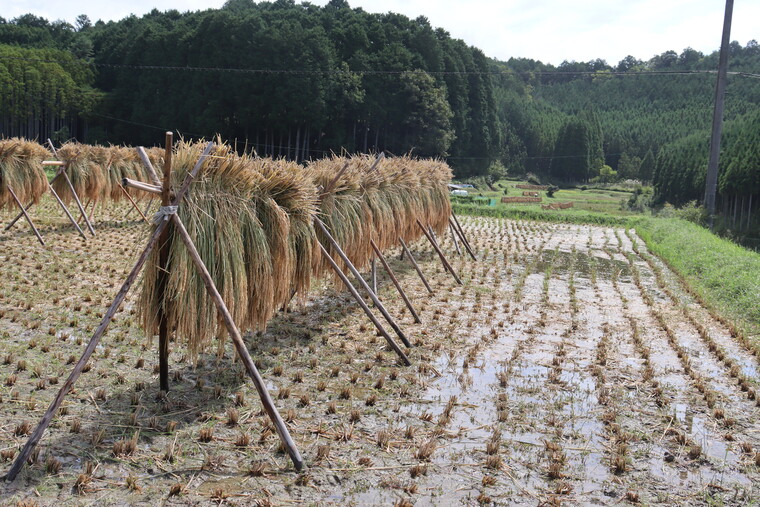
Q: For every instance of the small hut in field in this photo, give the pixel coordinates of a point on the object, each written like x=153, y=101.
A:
x=21, y=170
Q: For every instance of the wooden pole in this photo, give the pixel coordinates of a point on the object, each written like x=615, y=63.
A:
x=454, y=239
x=62, y=171
x=74, y=375
x=86, y=205
x=374, y=275
x=164, y=242
x=79, y=203
x=101, y=329
x=395, y=280
x=440, y=254
x=147, y=208
x=21, y=214
x=464, y=241
x=134, y=204
x=362, y=282
x=28, y=218
x=92, y=210
x=711, y=180
x=68, y=213
x=405, y=250
x=364, y=306
x=462, y=236
x=432, y=235
x=237, y=340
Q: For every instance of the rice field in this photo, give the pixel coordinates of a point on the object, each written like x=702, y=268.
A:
x=571, y=367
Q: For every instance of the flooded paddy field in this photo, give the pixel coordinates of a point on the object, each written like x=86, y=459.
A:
x=571, y=367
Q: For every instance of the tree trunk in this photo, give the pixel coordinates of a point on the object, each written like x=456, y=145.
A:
x=298, y=143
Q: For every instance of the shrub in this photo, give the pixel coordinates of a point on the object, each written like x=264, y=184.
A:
x=693, y=212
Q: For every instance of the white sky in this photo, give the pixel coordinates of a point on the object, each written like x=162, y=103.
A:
x=546, y=30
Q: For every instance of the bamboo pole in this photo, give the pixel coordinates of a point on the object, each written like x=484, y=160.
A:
x=163, y=263
x=148, y=165
x=139, y=185
x=395, y=280
x=362, y=282
x=405, y=250
x=440, y=254
x=237, y=340
x=364, y=306
x=464, y=241
x=134, y=204
x=28, y=218
x=101, y=329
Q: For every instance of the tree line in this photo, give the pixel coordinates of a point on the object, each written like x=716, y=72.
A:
x=301, y=81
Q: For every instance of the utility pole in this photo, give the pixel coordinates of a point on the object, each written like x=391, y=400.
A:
x=717, y=125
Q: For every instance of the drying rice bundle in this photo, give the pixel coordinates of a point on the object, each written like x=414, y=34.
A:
x=85, y=167
x=21, y=170
x=246, y=217
x=123, y=163
x=381, y=203
x=292, y=190
x=434, y=177
x=342, y=211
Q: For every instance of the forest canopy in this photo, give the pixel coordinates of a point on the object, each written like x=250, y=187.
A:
x=301, y=81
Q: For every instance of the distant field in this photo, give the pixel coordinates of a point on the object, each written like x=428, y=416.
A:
x=590, y=200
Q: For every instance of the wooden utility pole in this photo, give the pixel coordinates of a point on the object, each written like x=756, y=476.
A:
x=717, y=125
x=163, y=330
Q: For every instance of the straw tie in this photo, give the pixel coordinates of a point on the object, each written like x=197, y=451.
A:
x=163, y=214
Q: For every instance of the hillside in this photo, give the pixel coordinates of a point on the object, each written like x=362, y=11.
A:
x=301, y=81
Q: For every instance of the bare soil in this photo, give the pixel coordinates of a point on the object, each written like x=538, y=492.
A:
x=570, y=368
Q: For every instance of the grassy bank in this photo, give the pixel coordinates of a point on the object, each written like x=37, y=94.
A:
x=725, y=275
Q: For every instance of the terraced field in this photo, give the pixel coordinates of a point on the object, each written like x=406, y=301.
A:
x=571, y=367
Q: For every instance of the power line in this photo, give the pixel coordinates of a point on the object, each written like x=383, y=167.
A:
x=504, y=72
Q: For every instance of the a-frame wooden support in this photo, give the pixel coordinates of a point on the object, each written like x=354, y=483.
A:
x=440, y=253
x=57, y=198
x=119, y=299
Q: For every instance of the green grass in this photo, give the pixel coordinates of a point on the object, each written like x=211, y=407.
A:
x=726, y=275
x=592, y=200
x=569, y=216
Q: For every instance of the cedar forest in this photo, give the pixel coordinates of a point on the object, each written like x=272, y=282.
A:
x=300, y=81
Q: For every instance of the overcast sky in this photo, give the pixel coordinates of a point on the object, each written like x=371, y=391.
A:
x=546, y=30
